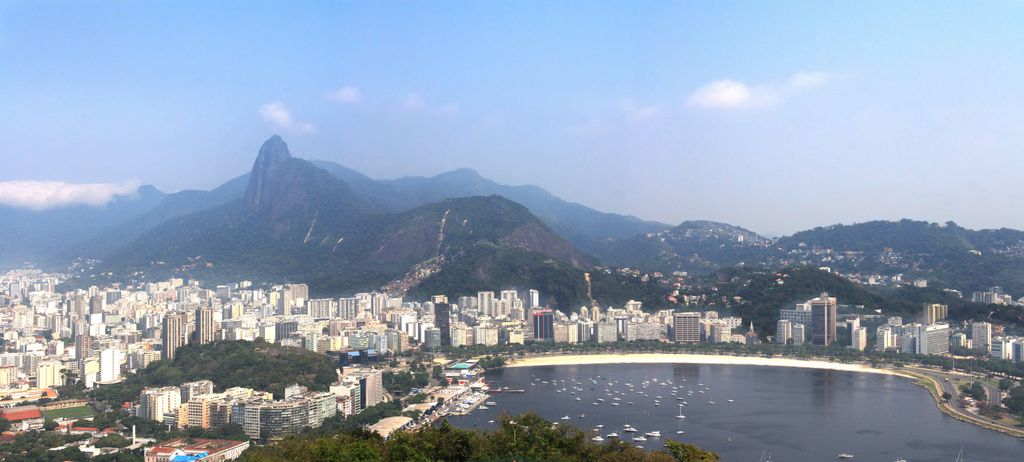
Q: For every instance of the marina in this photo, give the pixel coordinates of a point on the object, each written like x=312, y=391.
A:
x=746, y=410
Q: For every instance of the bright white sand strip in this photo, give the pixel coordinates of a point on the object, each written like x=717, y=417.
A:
x=663, y=358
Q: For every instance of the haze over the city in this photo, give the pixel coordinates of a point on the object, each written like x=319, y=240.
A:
x=776, y=117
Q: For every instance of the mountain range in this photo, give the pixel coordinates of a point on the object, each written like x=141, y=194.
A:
x=289, y=219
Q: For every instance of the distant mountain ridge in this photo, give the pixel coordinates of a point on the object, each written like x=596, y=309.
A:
x=297, y=222
x=301, y=205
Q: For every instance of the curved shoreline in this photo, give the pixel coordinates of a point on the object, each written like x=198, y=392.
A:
x=688, y=358
x=920, y=379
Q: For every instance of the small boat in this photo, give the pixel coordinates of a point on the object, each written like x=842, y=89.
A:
x=566, y=418
x=615, y=404
x=845, y=456
x=612, y=435
x=630, y=430
x=483, y=408
x=597, y=439
x=491, y=403
x=653, y=434
x=599, y=426
x=732, y=401
x=639, y=438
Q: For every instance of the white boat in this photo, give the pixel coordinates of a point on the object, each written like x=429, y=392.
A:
x=597, y=439
x=566, y=418
x=845, y=456
x=639, y=438
x=732, y=401
x=599, y=426
x=491, y=403
x=630, y=430
x=653, y=434
x=612, y=435
x=483, y=408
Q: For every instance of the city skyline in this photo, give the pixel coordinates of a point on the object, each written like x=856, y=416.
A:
x=668, y=116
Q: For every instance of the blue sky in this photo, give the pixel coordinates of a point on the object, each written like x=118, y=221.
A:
x=776, y=116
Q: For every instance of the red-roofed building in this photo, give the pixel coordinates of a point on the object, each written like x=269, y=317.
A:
x=23, y=418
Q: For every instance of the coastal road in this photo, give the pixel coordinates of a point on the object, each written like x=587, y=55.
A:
x=956, y=404
x=994, y=394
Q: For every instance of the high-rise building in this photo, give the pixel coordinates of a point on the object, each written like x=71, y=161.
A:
x=285, y=329
x=443, y=321
x=485, y=302
x=534, y=299
x=981, y=336
x=686, y=327
x=935, y=312
x=885, y=338
x=155, y=402
x=173, y=333
x=110, y=365
x=543, y=325
x=823, y=320
x=49, y=374
x=783, y=331
x=799, y=334
x=859, y=338
x=933, y=339
x=204, y=326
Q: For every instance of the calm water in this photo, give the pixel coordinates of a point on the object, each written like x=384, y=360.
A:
x=793, y=414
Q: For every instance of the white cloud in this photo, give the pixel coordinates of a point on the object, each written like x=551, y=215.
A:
x=802, y=80
x=281, y=118
x=637, y=112
x=346, y=94
x=40, y=195
x=722, y=94
x=734, y=94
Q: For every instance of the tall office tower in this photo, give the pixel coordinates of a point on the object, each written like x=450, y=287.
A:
x=204, y=326
x=885, y=338
x=485, y=302
x=543, y=325
x=283, y=330
x=686, y=327
x=377, y=304
x=110, y=365
x=933, y=339
x=443, y=321
x=633, y=306
x=799, y=334
x=509, y=299
x=283, y=298
x=981, y=336
x=173, y=333
x=96, y=304
x=935, y=312
x=783, y=331
x=83, y=346
x=852, y=324
x=595, y=313
x=439, y=299
x=299, y=291
x=823, y=320
x=81, y=305
x=534, y=299
x=859, y=339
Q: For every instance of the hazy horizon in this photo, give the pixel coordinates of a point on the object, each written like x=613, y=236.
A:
x=775, y=117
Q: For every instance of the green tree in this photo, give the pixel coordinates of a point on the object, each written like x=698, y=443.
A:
x=689, y=453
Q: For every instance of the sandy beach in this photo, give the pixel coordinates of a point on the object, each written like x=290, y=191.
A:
x=656, y=358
